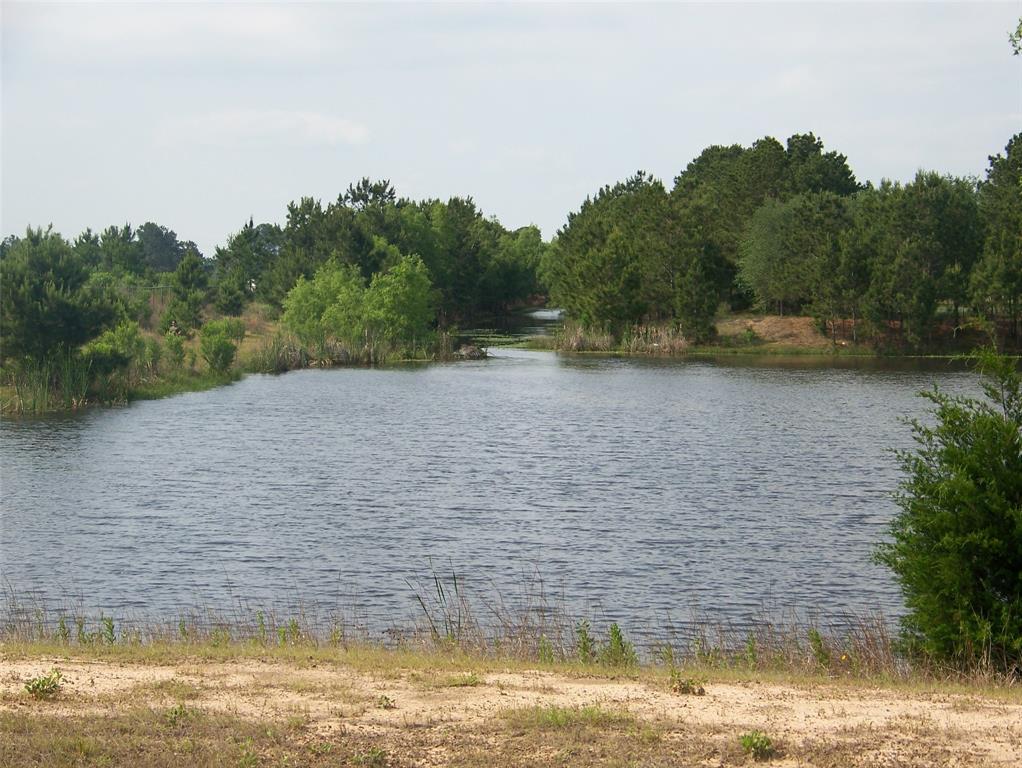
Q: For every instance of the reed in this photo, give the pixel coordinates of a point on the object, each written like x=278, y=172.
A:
x=528, y=626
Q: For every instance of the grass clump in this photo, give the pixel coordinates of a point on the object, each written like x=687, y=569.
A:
x=467, y=680
x=45, y=686
x=553, y=717
x=685, y=686
x=758, y=744
x=374, y=757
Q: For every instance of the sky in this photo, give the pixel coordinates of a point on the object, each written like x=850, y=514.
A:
x=199, y=116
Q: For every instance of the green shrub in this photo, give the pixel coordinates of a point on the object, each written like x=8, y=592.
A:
x=956, y=544
x=585, y=643
x=759, y=745
x=45, y=686
x=618, y=652
x=217, y=348
x=175, y=345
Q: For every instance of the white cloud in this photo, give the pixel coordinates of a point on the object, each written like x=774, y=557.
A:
x=171, y=31
x=252, y=126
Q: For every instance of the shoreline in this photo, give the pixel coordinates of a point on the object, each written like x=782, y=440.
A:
x=776, y=339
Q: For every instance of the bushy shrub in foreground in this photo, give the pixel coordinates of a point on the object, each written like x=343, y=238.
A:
x=956, y=544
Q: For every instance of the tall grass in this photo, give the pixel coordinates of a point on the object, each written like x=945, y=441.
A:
x=655, y=340
x=526, y=625
x=572, y=337
x=40, y=386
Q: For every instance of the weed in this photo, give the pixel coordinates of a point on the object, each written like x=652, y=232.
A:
x=585, y=644
x=45, y=686
x=177, y=714
x=467, y=680
x=63, y=633
x=545, y=651
x=820, y=652
x=556, y=717
x=249, y=757
x=618, y=652
x=686, y=686
x=385, y=702
x=758, y=744
x=751, y=652
x=261, y=623
x=107, y=632
x=374, y=757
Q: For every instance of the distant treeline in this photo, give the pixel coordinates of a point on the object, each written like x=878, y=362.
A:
x=789, y=230
x=784, y=228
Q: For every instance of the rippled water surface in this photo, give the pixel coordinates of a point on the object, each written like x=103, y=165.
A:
x=637, y=489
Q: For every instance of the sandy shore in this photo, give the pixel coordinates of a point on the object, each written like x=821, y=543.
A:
x=433, y=717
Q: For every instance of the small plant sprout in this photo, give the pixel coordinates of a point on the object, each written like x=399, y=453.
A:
x=686, y=686
x=45, y=686
x=385, y=702
x=759, y=745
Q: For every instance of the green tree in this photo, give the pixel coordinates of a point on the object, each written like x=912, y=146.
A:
x=956, y=544
x=161, y=250
x=46, y=306
x=217, y=347
x=399, y=304
x=120, y=251
x=330, y=306
x=190, y=282
x=997, y=278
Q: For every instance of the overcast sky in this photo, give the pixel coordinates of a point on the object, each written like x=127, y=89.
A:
x=197, y=116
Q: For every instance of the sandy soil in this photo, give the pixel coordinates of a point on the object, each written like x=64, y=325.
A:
x=777, y=331
x=886, y=726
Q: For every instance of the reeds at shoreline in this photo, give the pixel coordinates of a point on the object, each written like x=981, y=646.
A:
x=527, y=628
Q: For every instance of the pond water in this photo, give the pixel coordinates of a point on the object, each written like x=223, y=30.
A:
x=639, y=490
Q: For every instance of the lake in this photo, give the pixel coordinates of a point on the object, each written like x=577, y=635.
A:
x=644, y=491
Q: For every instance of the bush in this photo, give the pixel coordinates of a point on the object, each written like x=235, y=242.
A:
x=45, y=686
x=217, y=349
x=175, y=349
x=758, y=744
x=956, y=544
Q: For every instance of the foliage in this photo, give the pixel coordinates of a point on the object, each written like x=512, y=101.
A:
x=685, y=686
x=399, y=306
x=758, y=744
x=45, y=686
x=396, y=311
x=956, y=544
x=46, y=306
x=585, y=643
x=114, y=349
x=996, y=281
x=189, y=284
x=175, y=345
x=216, y=346
x=618, y=652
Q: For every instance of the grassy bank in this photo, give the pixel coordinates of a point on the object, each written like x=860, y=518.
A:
x=264, y=348
x=470, y=682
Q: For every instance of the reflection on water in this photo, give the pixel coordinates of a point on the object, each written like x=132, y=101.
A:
x=638, y=489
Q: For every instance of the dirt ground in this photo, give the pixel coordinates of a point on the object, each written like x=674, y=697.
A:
x=434, y=718
x=774, y=331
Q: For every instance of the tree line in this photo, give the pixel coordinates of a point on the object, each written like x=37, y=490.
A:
x=363, y=278
x=784, y=228
x=788, y=229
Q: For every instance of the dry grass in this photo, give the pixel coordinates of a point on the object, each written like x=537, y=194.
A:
x=383, y=708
